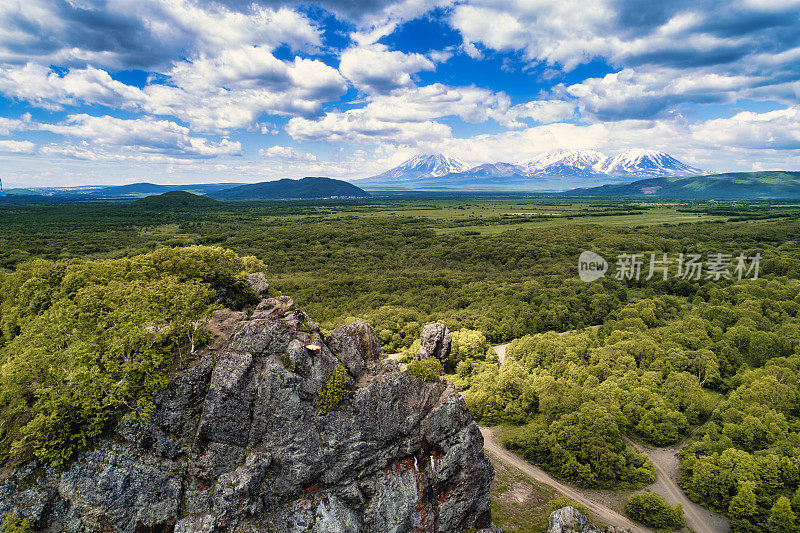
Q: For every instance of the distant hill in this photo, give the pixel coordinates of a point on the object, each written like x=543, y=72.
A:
x=144, y=189
x=111, y=192
x=174, y=199
x=728, y=186
x=19, y=192
x=287, y=189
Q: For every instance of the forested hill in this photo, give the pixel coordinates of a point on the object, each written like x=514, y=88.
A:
x=305, y=188
x=174, y=200
x=728, y=186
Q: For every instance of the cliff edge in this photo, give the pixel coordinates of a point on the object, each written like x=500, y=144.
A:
x=240, y=441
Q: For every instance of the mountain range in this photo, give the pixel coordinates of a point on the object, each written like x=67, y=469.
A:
x=557, y=170
x=130, y=190
x=284, y=189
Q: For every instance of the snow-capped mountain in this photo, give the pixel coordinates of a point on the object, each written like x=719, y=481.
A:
x=497, y=170
x=557, y=170
x=422, y=166
x=564, y=163
x=643, y=163
x=559, y=160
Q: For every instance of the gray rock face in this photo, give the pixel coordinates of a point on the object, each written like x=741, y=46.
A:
x=258, y=283
x=236, y=443
x=355, y=344
x=570, y=520
x=435, y=342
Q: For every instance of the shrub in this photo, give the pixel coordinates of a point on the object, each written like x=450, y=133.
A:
x=427, y=370
x=409, y=353
x=652, y=511
x=334, y=390
x=468, y=344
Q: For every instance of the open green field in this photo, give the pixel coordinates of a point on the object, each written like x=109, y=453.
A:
x=573, y=213
x=519, y=505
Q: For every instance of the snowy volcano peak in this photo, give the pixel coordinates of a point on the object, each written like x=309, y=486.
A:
x=572, y=159
x=425, y=166
x=565, y=167
x=641, y=162
x=497, y=169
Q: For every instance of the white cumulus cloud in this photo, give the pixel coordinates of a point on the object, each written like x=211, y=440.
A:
x=775, y=130
x=17, y=147
x=375, y=68
x=144, y=136
x=408, y=116
x=286, y=153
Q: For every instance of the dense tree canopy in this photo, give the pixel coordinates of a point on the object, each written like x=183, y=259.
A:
x=649, y=509
x=83, y=342
x=648, y=372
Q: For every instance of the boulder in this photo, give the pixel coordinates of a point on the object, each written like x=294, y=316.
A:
x=354, y=344
x=257, y=282
x=570, y=520
x=435, y=342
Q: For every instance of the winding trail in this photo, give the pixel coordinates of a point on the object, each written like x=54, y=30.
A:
x=599, y=511
x=500, y=350
x=667, y=466
x=666, y=462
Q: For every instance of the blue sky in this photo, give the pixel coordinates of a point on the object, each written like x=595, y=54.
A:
x=178, y=91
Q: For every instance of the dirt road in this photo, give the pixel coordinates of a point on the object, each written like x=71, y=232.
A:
x=500, y=350
x=665, y=461
x=599, y=512
x=667, y=465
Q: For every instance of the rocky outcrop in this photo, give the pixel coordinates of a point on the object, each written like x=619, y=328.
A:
x=570, y=520
x=435, y=342
x=355, y=345
x=237, y=443
x=258, y=283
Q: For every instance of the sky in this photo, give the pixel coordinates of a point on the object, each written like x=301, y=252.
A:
x=198, y=91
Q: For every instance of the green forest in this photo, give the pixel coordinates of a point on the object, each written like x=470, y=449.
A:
x=85, y=342
x=99, y=302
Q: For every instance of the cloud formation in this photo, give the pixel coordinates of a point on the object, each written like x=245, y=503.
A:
x=375, y=69
x=17, y=147
x=252, y=88
x=142, y=136
x=147, y=34
x=667, y=54
x=408, y=116
x=774, y=130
